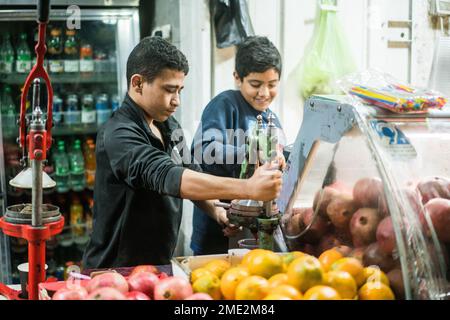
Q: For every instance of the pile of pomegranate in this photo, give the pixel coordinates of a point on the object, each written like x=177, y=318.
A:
x=357, y=219
x=144, y=283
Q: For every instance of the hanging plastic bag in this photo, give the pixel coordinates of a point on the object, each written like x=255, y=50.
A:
x=384, y=91
x=232, y=22
x=327, y=56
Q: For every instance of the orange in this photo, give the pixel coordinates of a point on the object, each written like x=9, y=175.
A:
x=352, y=266
x=218, y=267
x=288, y=291
x=328, y=257
x=199, y=272
x=374, y=274
x=230, y=280
x=249, y=255
x=305, y=272
x=321, y=293
x=276, y=296
x=210, y=284
x=375, y=291
x=278, y=280
x=252, y=288
x=265, y=264
x=342, y=282
x=289, y=257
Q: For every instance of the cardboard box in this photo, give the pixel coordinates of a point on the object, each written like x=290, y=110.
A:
x=183, y=266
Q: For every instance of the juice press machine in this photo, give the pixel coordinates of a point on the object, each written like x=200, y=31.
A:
x=37, y=222
x=261, y=218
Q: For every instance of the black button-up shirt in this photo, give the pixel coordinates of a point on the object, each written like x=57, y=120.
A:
x=137, y=209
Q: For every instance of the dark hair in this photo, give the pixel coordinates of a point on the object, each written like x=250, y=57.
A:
x=151, y=56
x=257, y=54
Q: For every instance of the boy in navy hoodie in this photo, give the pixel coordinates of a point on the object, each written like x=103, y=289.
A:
x=219, y=143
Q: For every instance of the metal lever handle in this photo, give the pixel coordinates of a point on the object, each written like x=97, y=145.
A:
x=43, y=8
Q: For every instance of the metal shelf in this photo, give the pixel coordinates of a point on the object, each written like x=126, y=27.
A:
x=80, y=129
x=73, y=78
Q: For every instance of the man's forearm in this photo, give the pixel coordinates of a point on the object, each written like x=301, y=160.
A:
x=200, y=186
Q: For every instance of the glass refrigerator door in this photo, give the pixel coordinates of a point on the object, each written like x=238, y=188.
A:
x=86, y=61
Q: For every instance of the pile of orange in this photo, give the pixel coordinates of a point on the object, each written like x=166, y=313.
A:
x=263, y=274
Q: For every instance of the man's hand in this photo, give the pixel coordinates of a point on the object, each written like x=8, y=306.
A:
x=229, y=230
x=265, y=184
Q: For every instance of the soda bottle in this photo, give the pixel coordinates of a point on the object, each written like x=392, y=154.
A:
x=88, y=114
x=72, y=114
x=86, y=59
x=89, y=155
x=61, y=163
x=8, y=112
x=57, y=110
x=115, y=102
x=103, y=110
x=55, y=50
x=6, y=55
x=76, y=217
x=77, y=171
x=71, y=54
x=23, y=62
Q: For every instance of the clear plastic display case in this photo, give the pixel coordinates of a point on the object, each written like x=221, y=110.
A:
x=376, y=184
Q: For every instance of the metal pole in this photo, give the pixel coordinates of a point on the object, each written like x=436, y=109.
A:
x=36, y=193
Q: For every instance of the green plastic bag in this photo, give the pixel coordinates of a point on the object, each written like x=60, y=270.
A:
x=327, y=56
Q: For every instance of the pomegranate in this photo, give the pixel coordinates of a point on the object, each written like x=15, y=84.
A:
x=294, y=225
x=363, y=226
x=385, y=236
x=144, y=282
x=374, y=256
x=318, y=228
x=395, y=277
x=434, y=187
x=75, y=293
x=323, y=198
x=344, y=250
x=328, y=241
x=106, y=293
x=439, y=211
x=340, y=211
x=108, y=279
x=368, y=193
x=136, y=295
x=199, y=296
x=144, y=268
x=173, y=288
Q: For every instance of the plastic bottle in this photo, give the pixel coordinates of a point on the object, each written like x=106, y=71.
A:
x=57, y=110
x=6, y=55
x=86, y=59
x=55, y=50
x=77, y=170
x=88, y=113
x=8, y=111
x=23, y=62
x=61, y=163
x=72, y=115
x=103, y=110
x=71, y=54
x=89, y=155
x=76, y=217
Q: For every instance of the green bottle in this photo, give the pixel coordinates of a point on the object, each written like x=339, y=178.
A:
x=71, y=53
x=8, y=112
x=23, y=62
x=6, y=55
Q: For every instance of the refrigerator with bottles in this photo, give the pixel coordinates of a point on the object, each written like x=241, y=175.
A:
x=88, y=43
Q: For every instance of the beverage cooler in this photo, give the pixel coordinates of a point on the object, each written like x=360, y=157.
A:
x=88, y=43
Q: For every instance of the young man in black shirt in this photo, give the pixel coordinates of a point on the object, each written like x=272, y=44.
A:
x=142, y=173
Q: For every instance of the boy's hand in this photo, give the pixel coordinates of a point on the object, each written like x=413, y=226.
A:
x=229, y=230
